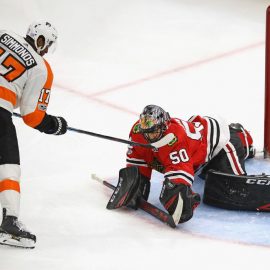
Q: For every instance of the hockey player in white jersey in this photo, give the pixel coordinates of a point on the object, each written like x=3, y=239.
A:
x=25, y=82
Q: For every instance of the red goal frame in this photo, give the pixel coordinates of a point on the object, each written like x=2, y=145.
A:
x=267, y=88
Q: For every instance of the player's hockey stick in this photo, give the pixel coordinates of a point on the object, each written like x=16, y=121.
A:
x=144, y=205
x=165, y=140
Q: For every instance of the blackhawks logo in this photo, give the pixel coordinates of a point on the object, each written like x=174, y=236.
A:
x=173, y=141
x=136, y=128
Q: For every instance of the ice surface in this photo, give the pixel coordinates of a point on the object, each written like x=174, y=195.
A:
x=113, y=58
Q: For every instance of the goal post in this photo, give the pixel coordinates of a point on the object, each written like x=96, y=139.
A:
x=267, y=88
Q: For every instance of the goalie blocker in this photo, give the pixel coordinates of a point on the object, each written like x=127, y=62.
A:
x=237, y=192
x=131, y=186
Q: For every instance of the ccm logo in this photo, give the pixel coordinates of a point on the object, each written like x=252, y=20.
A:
x=258, y=182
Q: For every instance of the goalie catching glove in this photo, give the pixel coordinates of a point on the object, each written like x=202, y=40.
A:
x=179, y=201
x=130, y=188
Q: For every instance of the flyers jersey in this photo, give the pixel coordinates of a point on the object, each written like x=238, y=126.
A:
x=194, y=143
x=25, y=78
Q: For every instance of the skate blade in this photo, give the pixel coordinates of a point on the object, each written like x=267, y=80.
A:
x=13, y=241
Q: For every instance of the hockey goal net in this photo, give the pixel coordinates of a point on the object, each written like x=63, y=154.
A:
x=267, y=88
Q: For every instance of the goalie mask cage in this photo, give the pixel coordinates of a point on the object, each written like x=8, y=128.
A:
x=267, y=88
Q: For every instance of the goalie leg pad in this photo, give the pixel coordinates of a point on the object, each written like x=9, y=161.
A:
x=237, y=192
x=131, y=186
x=179, y=200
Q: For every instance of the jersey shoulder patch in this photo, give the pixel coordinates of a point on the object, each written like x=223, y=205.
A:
x=136, y=129
x=173, y=141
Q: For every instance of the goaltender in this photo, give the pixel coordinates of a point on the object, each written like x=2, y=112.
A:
x=202, y=145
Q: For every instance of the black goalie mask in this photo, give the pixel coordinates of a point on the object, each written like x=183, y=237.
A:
x=153, y=122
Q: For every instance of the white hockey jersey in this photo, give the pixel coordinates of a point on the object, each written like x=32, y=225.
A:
x=25, y=78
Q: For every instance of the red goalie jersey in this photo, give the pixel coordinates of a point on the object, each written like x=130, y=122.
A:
x=194, y=143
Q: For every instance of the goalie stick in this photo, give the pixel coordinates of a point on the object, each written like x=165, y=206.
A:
x=165, y=140
x=144, y=205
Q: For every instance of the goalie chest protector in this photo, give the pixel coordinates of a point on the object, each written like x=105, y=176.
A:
x=237, y=192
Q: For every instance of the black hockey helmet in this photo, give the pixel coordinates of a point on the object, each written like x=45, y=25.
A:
x=153, y=122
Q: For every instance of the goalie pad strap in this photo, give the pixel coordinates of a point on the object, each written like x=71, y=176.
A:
x=237, y=192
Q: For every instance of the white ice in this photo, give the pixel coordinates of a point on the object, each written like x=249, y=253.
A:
x=113, y=58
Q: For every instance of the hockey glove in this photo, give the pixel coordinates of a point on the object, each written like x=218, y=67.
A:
x=130, y=188
x=59, y=126
x=55, y=125
x=179, y=201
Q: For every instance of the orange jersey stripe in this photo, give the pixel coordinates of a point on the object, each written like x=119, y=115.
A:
x=49, y=81
x=8, y=95
x=8, y=184
x=34, y=119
